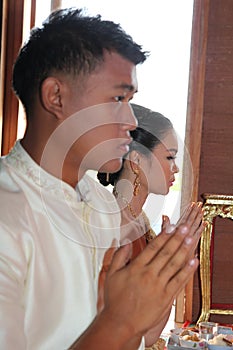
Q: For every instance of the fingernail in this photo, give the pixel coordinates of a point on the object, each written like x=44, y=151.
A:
x=192, y=262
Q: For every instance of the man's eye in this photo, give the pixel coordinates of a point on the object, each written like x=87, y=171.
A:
x=171, y=157
x=119, y=98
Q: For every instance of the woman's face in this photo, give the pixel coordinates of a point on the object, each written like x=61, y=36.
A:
x=160, y=168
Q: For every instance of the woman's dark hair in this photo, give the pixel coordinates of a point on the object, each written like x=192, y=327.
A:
x=152, y=126
x=72, y=43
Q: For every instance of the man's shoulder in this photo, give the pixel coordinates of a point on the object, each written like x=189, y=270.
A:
x=7, y=184
x=13, y=201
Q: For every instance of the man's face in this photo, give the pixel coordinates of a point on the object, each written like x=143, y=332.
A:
x=101, y=114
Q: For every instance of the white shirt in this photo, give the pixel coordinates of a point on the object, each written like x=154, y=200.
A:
x=52, y=242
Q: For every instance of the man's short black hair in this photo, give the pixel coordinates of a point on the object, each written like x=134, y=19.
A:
x=70, y=42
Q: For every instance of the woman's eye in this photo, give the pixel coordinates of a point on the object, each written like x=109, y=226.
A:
x=119, y=98
x=171, y=157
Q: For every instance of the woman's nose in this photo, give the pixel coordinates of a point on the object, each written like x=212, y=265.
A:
x=175, y=168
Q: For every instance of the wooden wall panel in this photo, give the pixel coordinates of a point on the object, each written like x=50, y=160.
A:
x=193, y=132
x=217, y=146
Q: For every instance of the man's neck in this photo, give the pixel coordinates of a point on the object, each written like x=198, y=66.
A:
x=51, y=160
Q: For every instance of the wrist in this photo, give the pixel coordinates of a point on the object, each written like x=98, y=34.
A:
x=120, y=330
x=108, y=333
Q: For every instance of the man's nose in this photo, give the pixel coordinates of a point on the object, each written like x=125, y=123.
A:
x=129, y=121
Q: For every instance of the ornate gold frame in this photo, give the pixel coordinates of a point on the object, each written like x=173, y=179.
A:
x=214, y=205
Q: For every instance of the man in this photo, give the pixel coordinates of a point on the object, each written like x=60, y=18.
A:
x=75, y=77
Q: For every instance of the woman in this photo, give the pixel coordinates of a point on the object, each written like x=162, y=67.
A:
x=148, y=167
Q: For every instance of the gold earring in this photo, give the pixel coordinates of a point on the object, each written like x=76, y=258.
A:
x=136, y=183
x=107, y=177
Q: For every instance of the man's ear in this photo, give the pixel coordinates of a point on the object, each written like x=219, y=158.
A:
x=51, y=96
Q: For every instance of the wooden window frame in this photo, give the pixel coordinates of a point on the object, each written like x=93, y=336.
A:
x=193, y=132
x=12, y=36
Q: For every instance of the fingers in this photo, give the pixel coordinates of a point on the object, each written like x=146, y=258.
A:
x=164, y=244
x=199, y=231
x=167, y=255
x=192, y=217
x=161, y=269
x=196, y=238
x=183, y=276
x=190, y=212
x=185, y=214
x=196, y=209
x=175, y=252
x=178, y=259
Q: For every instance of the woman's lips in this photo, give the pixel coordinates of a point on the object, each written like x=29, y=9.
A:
x=171, y=182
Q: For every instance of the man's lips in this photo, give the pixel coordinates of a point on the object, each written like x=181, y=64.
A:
x=124, y=146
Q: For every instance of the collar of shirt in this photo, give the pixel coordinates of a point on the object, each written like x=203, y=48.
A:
x=20, y=160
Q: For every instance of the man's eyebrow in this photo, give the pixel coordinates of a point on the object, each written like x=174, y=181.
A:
x=128, y=87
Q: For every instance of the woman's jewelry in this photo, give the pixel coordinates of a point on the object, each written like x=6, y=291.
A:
x=150, y=234
x=136, y=183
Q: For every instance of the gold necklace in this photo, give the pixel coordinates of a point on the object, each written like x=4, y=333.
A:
x=150, y=234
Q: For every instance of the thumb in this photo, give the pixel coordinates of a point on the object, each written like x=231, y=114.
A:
x=108, y=256
x=121, y=257
x=102, y=275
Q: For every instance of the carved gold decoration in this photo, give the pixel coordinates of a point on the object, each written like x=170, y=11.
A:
x=214, y=205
